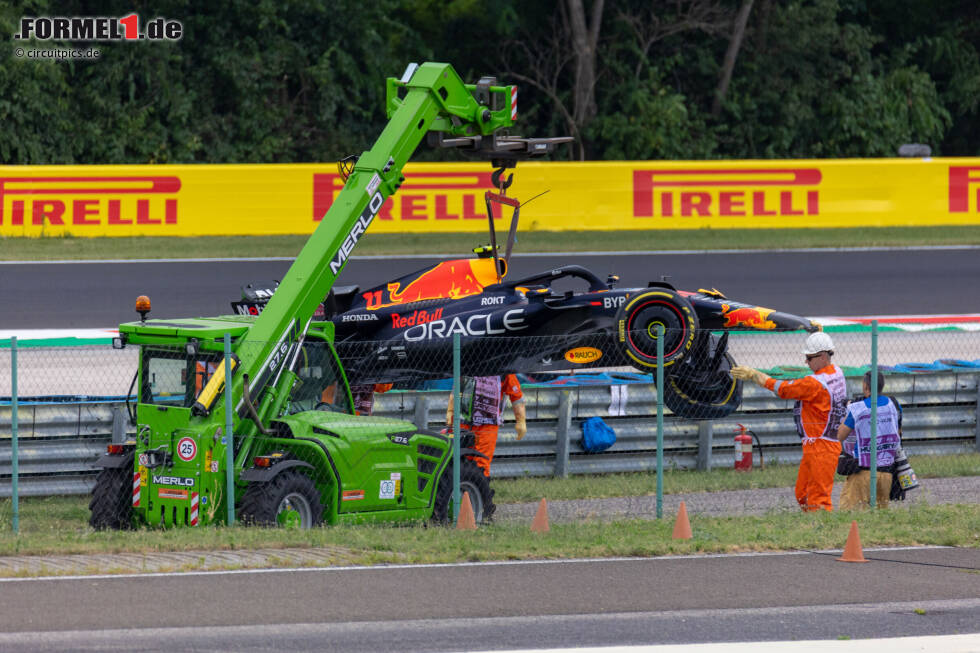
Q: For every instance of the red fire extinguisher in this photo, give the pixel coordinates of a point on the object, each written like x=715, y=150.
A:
x=743, y=449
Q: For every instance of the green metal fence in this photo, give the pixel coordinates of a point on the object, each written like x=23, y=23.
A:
x=57, y=404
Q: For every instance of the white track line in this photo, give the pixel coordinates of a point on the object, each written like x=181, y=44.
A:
x=491, y=563
x=942, y=643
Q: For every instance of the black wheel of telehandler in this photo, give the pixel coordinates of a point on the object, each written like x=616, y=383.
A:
x=637, y=321
x=471, y=481
x=290, y=500
x=112, y=499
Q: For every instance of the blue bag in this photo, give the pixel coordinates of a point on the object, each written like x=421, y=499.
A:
x=597, y=435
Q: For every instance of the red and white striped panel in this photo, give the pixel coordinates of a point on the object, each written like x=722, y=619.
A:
x=194, y=507
x=136, y=489
x=513, y=103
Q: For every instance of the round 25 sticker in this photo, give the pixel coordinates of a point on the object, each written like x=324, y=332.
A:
x=186, y=449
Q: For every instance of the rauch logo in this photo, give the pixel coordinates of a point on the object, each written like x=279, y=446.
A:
x=581, y=355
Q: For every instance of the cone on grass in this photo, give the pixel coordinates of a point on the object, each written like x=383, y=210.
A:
x=852, y=549
x=682, y=527
x=540, y=523
x=466, y=520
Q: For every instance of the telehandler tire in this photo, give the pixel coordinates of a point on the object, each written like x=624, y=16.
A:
x=112, y=499
x=290, y=500
x=472, y=481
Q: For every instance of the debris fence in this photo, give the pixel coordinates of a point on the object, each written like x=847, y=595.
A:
x=71, y=401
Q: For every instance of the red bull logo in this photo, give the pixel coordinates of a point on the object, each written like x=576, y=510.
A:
x=754, y=317
x=960, y=180
x=668, y=193
x=418, y=317
x=423, y=196
x=88, y=201
x=447, y=280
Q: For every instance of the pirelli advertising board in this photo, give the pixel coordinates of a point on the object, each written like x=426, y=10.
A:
x=208, y=200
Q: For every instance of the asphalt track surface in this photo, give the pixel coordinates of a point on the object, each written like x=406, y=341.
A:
x=825, y=282
x=331, y=606
x=506, y=605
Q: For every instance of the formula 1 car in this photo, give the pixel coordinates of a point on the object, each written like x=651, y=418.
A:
x=402, y=331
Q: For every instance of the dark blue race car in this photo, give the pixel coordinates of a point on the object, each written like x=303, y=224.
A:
x=402, y=331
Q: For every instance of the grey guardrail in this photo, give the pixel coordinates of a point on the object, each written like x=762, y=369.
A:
x=58, y=442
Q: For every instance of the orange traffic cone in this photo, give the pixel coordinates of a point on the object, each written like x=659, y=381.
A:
x=540, y=523
x=682, y=527
x=466, y=520
x=852, y=549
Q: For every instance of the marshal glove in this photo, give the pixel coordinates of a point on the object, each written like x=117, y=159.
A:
x=520, y=415
x=749, y=374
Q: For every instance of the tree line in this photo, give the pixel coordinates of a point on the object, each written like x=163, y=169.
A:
x=303, y=80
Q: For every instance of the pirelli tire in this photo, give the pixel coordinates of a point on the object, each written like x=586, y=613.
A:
x=637, y=321
x=713, y=398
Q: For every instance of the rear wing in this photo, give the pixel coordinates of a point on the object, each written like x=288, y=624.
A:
x=256, y=295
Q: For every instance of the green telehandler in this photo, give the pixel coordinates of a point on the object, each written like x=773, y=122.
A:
x=291, y=451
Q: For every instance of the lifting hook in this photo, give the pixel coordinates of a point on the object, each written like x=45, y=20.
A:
x=498, y=182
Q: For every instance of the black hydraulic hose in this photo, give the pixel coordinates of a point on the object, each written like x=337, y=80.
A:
x=251, y=407
x=131, y=410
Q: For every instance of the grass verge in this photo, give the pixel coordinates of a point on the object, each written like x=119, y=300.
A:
x=460, y=244
x=59, y=525
x=947, y=525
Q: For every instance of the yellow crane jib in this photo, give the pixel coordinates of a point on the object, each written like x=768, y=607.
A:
x=212, y=389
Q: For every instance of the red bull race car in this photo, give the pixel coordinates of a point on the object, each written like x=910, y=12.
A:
x=402, y=331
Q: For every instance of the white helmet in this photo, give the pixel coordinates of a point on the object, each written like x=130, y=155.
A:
x=818, y=342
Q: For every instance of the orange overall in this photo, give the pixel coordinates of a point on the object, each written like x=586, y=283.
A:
x=485, y=435
x=821, y=403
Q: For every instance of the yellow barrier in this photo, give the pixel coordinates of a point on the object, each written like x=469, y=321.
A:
x=210, y=200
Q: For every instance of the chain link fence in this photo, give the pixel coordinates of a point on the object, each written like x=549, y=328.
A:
x=71, y=401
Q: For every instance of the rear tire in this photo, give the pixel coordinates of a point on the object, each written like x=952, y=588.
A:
x=290, y=500
x=471, y=481
x=636, y=324
x=112, y=499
